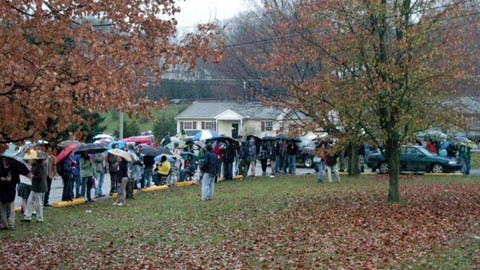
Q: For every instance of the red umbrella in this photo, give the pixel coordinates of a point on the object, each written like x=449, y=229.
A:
x=65, y=152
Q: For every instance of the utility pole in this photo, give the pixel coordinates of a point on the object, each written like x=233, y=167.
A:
x=120, y=128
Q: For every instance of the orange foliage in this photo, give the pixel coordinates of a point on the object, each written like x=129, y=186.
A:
x=60, y=56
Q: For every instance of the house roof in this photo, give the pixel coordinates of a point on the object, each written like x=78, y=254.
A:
x=212, y=110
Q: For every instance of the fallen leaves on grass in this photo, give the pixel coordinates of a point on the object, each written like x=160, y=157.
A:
x=353, y=230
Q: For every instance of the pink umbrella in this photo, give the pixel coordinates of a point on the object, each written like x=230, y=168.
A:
x=65, y=152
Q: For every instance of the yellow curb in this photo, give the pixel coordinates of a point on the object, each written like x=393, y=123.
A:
x=238, y=177
x=153, y=188
x=444, y=174
x=220, y=179
x=69, y=203
x=184, y=184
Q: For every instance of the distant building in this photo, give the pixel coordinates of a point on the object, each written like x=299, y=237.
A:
x=234, y=119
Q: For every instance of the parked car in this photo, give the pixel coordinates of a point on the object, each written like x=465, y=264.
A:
x=306, y=152
x=415, y=159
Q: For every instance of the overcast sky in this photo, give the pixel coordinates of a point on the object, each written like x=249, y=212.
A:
x=203, y=11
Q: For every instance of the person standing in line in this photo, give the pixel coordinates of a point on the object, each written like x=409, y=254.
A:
x=77, y=180
x=252, y=156
x=134, y=170
x=210, y=169
x=113, y=167
x=238, y=144
x=292, y=156
x=278, y=162
x=332, y=166
x=228, y=159
x=9, y=178
x=99, y=160
x=87, y=172
x=319, y=161
x=243, y=160
x=465, y=154
x=122, y=189
x=51, y=172
x=39, y=186
x=148, y=162
x=65, y=171
x=263, y=157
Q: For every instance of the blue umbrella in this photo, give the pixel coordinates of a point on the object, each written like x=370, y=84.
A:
x=121, y=144
x=205, y=134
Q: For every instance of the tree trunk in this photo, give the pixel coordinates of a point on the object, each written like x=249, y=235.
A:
x=393, y=156
x=353, y=168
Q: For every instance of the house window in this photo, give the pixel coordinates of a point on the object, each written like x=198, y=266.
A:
x=187, y=125
x=209, y=125
x=267, y=126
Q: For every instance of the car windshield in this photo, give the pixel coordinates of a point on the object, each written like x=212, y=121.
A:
x=424, y=151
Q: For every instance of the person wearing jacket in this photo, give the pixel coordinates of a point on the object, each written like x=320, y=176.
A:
x=87, y=172
x=123, y=176
x=39, y=186
x=9, y=178
x=210, y=170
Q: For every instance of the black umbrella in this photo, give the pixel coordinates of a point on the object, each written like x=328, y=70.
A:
x=224, y=139
x=154, y=151
x=269, y=138
x=90, y=148
x=19, y=164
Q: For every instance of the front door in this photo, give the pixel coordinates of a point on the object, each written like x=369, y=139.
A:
x=235, y=130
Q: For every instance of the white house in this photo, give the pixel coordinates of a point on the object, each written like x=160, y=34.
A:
x=234, y=119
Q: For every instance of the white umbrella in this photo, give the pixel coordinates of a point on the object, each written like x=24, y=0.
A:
x=205, y=134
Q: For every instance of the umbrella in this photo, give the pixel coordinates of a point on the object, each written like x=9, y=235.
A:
x=205, y=134
x=103, y=137
x=65, y=152
x=34, y=154
x=90, y=148
x=185, y=155
x=269, y=138
x=202, y=145
x=154, y=151
x=120, y=153
x=18, y=163
x=120, y=144
x=66, y=143
x=157, y=159
x=223, y=139
x=171, y=145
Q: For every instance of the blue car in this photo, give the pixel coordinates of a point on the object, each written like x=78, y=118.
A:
x=415, y=159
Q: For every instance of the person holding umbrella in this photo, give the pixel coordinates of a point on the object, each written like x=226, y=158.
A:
x=39, y=185
x=123, y=176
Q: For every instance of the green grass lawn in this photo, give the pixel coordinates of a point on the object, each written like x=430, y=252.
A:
x=475, y=160
x=269, y=223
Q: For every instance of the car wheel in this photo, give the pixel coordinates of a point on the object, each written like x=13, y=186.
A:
x=308, y=162
x=383, y=167
x=437, y=168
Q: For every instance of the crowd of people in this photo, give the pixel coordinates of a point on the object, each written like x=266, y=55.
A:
x=83, y=174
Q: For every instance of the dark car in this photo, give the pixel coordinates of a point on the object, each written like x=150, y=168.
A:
x=306, y=152
x=415, y=159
